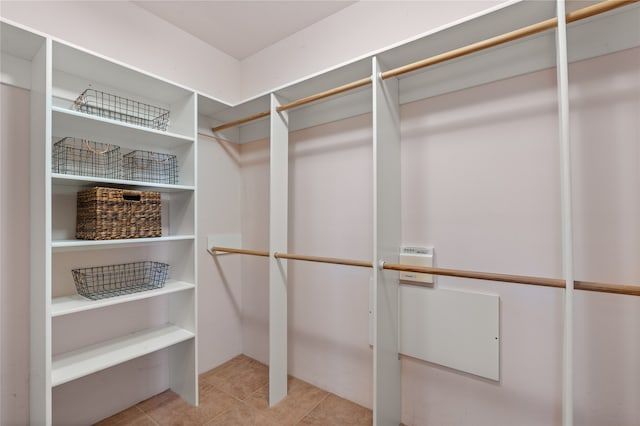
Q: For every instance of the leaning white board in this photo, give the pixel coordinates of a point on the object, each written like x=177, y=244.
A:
x=456, y=329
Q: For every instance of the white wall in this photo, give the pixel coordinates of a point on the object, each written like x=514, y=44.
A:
x=14, y=255
x=219, y=278
x=605, y=97
x=130, y=34
x=356, y=31
x=480, y=183
x=122, y=31
x=330, y=199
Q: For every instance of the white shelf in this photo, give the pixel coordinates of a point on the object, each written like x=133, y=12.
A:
x=17, y=48
x=88, y=360
x=73, y=304
x=68, y=245
x=18, y=42
x=602, y=34
x=67, y=122
x=76, y=61
x=63, y=183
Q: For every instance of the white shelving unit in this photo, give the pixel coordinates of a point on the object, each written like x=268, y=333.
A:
x=72, y=337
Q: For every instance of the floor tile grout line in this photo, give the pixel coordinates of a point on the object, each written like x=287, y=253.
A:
x=314, y=407
x=151, y=419
x=215, y=417
x=236, y=398
x=144, y=413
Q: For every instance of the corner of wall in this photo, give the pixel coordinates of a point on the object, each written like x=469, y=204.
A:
x=128, y=33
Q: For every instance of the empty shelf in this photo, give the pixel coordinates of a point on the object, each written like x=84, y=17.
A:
x=88, y=360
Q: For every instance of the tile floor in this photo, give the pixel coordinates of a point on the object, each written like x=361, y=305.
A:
x=236, y=393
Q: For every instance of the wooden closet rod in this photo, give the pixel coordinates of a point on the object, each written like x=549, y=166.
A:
x=241, y=121
x=519, y=279
x=586, y=12
x=215, y=249
x=583, y=13
x=332, y=260
x=327, y=93
x=488, y=276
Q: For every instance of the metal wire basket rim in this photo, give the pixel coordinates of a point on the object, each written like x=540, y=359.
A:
x=80, y=100
x=86, y=143
x=153, y=154
x=153, y=262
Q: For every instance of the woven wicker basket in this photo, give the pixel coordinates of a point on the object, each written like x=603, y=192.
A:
x=111, y=213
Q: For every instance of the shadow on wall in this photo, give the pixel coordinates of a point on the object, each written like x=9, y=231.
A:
x=14, y=251
x=227, y=287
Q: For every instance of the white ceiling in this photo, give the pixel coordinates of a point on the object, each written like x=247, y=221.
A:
x=241, y=28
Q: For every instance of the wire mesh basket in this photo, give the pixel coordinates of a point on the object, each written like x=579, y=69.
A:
x=106, y=105
x=147, y=166
x=82, y=157
x=100, y=282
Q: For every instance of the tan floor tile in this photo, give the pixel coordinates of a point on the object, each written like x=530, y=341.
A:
x=130, y=416
x=243, y=378
x=172, y=410
x=156, y=401
x=243, y=415
x=239, y=377
x=336, y=411
x=301, y=398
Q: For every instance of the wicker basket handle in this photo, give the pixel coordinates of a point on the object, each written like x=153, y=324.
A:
x=86, y=143
x=131, y=195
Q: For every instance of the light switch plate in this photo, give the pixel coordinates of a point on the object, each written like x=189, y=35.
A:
x=416, y=256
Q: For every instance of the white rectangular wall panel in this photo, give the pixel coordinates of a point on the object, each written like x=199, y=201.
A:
x=456, y=329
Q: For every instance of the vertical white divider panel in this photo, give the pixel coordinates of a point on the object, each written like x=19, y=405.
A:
x=386, y=248
x=183, y=365
x=566, y=212
x=40, y=396
x=278, y=222
x=183, y=307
